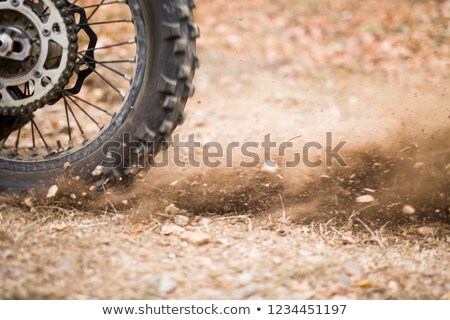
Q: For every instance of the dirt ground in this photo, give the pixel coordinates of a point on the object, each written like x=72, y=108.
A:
x=377, y=229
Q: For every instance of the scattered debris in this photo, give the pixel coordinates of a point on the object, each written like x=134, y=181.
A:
x=180, y=220
x=195, y=238
x=52, y=191
x=98, y=171
x=365, y=199
x=137, y=228
x=118, y=218
x=172, y=229
x=166, y=285
x=425, y=231
x=172, y=210
x=409, y=210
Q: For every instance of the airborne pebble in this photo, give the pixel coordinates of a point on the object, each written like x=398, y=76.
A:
x=365, y=199
x=425, y=231
x=407, y=209
x=52, y=191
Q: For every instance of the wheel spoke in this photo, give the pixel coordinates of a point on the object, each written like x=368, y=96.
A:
x=41, y=136
x=85, y=139
x=95, y=10
x=16, y=144
x=89, y=104
x=69, y=128
x=110, y=46
x=86, y=113
x=123, y=75
x=105, y=22
x=104, y=79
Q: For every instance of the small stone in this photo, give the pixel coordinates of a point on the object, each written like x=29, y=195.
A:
x=425, y=231
x=393, y=286
x=73, y=196
x=195, y=238
x=59, y=227
x=180, y=220
x=98, y=171
x=118, y=218
x=166, y=285
x=172, y=210
x=365, y=199
x=419, y=165
x=52, y=192
x=137, y=228
x=407, y=209
x=125, y=202
x=67, y=165
x=172, y=229
x=7, y=254
x=28, y=202
x=205, y=221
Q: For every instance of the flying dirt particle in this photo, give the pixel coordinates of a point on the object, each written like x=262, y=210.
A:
x=98, y=171
x=409, y=210
x=365, y=199
x=67, y=165
x=28, y=202
x=172, y=229
x=181, y=220
x=425, y=231
x=52, y=191
x=73, y=196
x=195, y=238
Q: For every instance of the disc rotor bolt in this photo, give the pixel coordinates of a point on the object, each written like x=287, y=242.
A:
x=15, y=3
x=46, y=32
x=38, y=74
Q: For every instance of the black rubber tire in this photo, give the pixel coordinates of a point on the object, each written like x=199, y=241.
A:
x=165, y=70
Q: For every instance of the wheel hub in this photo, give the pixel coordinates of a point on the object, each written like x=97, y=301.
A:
x=38, y=50
x=14, y=44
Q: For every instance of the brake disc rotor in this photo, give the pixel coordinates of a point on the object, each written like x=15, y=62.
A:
x=40, y=78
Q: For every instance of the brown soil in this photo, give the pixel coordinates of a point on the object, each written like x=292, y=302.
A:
x=294, y=234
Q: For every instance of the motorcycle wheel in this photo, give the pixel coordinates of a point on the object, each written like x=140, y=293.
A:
x=109, y=104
